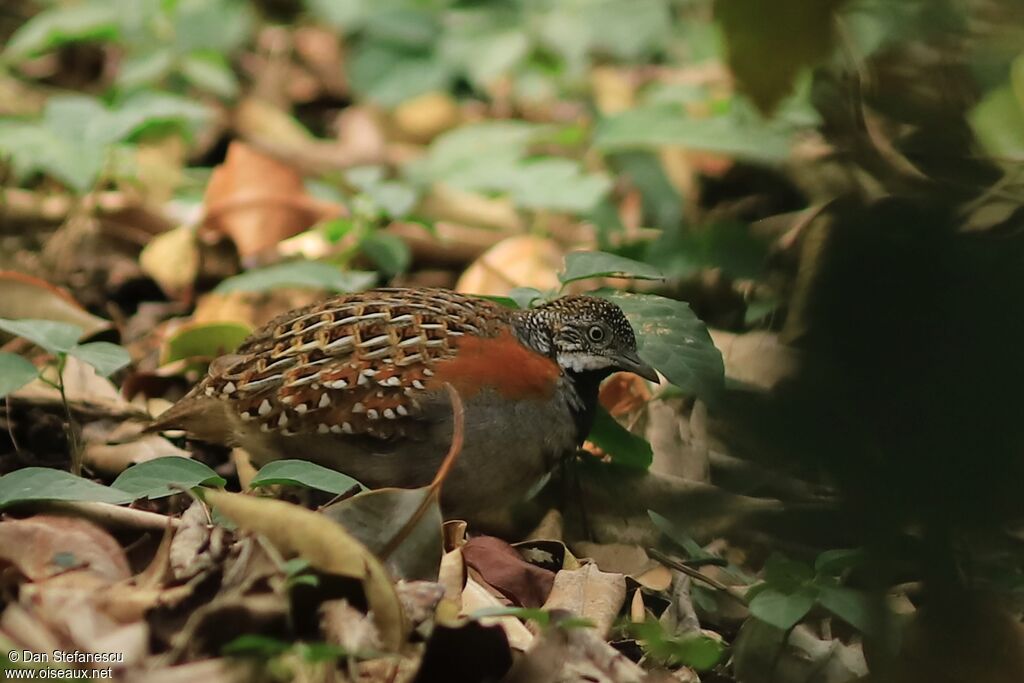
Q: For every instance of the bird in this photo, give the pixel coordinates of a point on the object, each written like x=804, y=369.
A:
x=357, y=383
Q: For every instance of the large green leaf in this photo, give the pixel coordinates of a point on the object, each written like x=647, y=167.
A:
x=107, y=358
x=852, y=606
x=55, y=337
x=580, y=265
x=303, y=473
x=675, y=341
x=625, y=448
x=998, y=123
x=205, y=340
x=62, y=24
x=730, y=133
x=155, y=478
x=782, y=610
x=42, y=483
x=15, y=372
x=312, y=274
x=390, y=254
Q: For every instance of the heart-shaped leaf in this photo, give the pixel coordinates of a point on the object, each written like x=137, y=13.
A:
x=782, y=610
x=303, y=473
x=107, y=358
x=42, y=483
x=55, y=337
x=155, y=478
x=580, y=265
x=15, y=372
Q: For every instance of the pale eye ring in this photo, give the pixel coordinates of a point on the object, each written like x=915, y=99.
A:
x=596, y=333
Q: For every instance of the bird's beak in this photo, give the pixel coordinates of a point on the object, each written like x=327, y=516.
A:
x=630, y=362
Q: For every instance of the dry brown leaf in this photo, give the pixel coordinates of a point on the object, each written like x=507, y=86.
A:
x=520, y=261
x=172, y=260
x=590, y=593
x=112, y=459
x=197, y=545
x=25, y=296
x=45, y=545
x=621, y=558
x=295, y=531
x=499, y=564
x=623, y=393
x=423, y=118
x=475, y=598
x=259, y=201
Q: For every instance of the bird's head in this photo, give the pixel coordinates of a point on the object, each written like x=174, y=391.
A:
x=585, y=334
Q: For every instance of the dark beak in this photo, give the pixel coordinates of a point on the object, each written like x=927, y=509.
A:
x=630, y=362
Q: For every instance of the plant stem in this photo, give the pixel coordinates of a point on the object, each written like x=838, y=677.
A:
x=69, y=427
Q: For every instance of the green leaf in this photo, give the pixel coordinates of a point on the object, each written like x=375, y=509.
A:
x=209, y=71
x=63, y=24
x=731, y=134
x=580, y=265
x=107, y=358
x=835, y=562
x=785, y=574
x=782, y=610
x=311, y=274
x=42, y=483
x=303, y=473
x=388, y=252
x=258, y=646
x=154, y=478
x=205, y=340
x=730, y=246
x=695, y=650
x=53, y=336
x=998, y=123
x=390, y=75
x=852, y=606
x=769, y=45
x=693, y=550
x=675, y=341
x=525, y=296
x=626, y=449
x=15, y=372
x=535, y=614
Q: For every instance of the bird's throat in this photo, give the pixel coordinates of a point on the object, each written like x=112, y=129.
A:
x=585, y=385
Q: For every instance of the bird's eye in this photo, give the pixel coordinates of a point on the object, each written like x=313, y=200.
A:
x=596, y=333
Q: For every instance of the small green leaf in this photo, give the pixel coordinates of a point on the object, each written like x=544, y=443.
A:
x=210, y=72
x=675, y=341
x=852, y=606
x=253, y=645
x=535, y=614
x=303, y=473
x=53, y=336
x=387, y=251
x=695, y=650
x=15, y=372
x=835, y=562
x=525, y=296
x=311, y=274
x=627, y=449
x=580, y=265
x=59, y=25
x=107, y=358
x=154, y=478
x=786, y=574
x=42, y=483
x=782, y=610
x=204, y=340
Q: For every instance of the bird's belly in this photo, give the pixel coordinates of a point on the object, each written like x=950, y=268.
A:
x=507, y=447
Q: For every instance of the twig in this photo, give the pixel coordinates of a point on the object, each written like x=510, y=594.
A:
x=672, y=562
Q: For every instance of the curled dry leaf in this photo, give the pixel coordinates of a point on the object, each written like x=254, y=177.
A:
x=520, y=261
x=624, y=393
x=259, y=201
x=25, y=296
x=46, y=545
x=297, y=532
x=172, y=260
x=499, y=564
x=590, y=593
x=112, y=459
x=423, y=118
x=475, y=598
x=197, y=545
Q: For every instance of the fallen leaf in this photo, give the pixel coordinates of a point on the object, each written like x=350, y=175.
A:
x=259, y=201
x=475, y=598
x=499, y=564
x=590, y=593
x=297, y=532
x=110, y=460
x=520, y=261
x=45, y=545
x=172, y=260
x=26, y=296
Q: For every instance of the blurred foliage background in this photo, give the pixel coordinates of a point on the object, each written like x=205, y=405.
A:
x=835, y=187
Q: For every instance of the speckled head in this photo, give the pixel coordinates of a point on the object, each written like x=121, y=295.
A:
x=584, y=334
